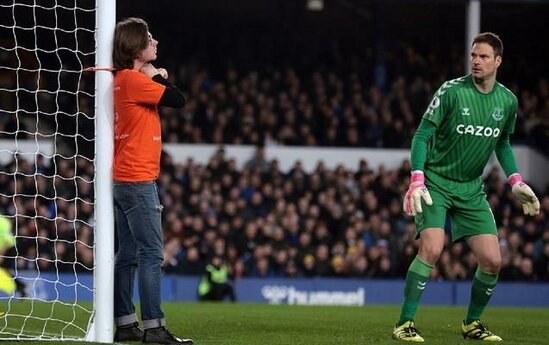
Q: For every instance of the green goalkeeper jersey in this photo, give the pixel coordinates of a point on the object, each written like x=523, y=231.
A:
x=469, y=124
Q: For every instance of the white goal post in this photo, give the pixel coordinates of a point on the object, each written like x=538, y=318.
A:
x=56, y=151
x=103, y=320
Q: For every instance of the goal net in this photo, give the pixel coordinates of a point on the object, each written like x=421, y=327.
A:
x=48, y=170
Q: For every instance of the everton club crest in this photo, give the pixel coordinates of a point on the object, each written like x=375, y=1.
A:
x=497, y=114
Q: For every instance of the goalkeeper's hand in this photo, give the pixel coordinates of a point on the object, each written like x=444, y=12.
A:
x=416, y=192
x=524, y=194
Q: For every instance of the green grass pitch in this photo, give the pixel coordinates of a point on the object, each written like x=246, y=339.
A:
x=258, y=324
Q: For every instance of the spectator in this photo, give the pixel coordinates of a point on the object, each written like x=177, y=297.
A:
x=258, y=162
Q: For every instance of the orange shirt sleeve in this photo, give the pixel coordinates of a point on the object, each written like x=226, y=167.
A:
x=143, y=90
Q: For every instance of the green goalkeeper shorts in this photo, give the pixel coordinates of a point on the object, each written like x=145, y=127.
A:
x=463, y=202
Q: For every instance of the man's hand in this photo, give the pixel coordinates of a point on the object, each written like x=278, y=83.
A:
x=163, y=73
x=416, y=192
x=149, y=70
x=524, y=194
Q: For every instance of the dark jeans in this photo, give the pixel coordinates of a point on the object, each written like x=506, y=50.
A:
x=140, y=248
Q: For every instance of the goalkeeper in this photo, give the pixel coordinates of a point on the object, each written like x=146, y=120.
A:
x=467, y=120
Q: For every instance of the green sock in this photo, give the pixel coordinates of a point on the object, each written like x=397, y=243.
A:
x=416, y=280
x=481, y=291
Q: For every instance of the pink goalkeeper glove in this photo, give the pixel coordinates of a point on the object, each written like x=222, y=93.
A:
x=416, y=192
x=524, y=194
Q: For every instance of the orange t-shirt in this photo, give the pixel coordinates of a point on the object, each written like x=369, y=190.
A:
x=137, y=130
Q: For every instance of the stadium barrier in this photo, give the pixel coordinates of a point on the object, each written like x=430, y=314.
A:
x=533, y=165
x=299, y=291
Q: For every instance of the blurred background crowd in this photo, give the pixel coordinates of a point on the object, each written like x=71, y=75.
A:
x=277, y=75
x=267, y=223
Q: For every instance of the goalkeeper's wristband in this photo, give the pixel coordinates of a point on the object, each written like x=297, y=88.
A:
x=417, y=176
x=514, y=179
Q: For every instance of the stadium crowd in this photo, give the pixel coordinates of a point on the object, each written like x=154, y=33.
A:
x=339, y=103
x=334, y=107
x=325, y=223
x=265, y=222
x=52, y=211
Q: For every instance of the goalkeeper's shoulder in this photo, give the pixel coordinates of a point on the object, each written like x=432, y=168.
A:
x=450, y=87
x=508, y=93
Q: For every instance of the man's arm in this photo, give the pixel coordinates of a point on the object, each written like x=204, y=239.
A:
x=505, y=155
x=420, y=144
x=417, y=190
x=172, y=96
x=506, y=158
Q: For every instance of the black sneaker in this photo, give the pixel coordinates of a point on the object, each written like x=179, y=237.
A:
x=161, y=335
x=130, y=332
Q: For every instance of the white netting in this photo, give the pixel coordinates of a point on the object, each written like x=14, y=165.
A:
x=46, y=167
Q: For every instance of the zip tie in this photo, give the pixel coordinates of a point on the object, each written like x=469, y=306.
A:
x=97, y=69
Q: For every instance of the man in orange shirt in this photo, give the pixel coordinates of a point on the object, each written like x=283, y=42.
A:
x=139, y=88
